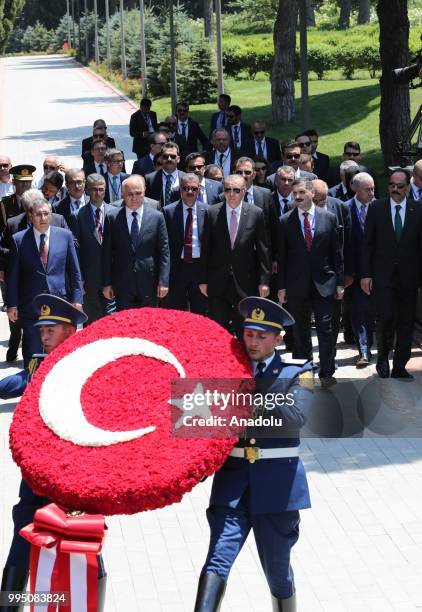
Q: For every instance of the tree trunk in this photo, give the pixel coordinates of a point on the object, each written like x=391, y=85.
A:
x=283, y=73
x=208, y=19
x=310, y=14
x=394, y=52
x=344, y=19
x=364, y=14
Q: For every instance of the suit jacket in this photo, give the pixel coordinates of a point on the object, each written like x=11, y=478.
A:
x=245, y=136
x=321, y=165
x=382, y=255
x=173, y=216
x=195, y=135
x=143, y=166
x=87, y=144
x=63, y=208
x=108, y=196
x=90, y=249
x=322, y=265
x=9, y=207
x=333, y=179
x=27, y=277
x=138, y=125
x=213, y=122
x=338, y=193
x=248, y=262
x=276, y=214
x=341, y=210
x=210, y=156
x=154, y=186
x=273, y=149
x=89, y=168
x=213, y=189
x=302, y=174
x=273, y=485
x=18, y=224
x=148, y=265
x=356, y=242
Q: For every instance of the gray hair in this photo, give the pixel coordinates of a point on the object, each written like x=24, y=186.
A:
x=30, y=196
x=94, y=178
x=307, y=183
x=111, y=152
x=71, y=173
x=190, y=176
x=37, y=203
x=347, y=163
x=287, y=169
x=131, y=177
x=360, y=178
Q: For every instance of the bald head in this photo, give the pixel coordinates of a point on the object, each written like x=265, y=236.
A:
x=133, y=191
x=320, y=191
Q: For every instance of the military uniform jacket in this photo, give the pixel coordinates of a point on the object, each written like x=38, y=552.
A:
x=273, y=485
x=14, y=385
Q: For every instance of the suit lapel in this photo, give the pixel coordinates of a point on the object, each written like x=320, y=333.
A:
x=36, y=253
x=178, y=219
x=242, y=222
x=123, y=224
x=144, y=225
x=200, y=214
x=52, y=247
x=224, y=228
x=408, y=217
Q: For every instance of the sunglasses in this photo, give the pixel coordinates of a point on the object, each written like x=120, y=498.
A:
x=293, y=155
x=232, y=190
x=50, y=167
x=197, y=167
x=188, y=189
x=259, y=133
x=352, y=153
x=244, y=172
x=182, y=110
x=172, y=156
x=304, y=144
x=4, y=165
x=398, y=185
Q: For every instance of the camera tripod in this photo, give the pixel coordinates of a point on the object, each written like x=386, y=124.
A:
x=411, y=153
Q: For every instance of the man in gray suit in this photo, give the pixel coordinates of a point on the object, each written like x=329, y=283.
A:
x=89, y=228
x=136, y=262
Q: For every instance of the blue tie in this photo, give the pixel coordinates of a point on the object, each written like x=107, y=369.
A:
x=184, y=130
x=134, y=230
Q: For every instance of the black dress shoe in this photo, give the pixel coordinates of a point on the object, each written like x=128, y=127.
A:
x=383, y=368
x=362, y=360
x=14, y=579
x=284, y=605
x=327, y=382
x=11, y=355
x=401, y=374
x=210, y=593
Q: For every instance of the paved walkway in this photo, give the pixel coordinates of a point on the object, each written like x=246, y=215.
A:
x=361, y=543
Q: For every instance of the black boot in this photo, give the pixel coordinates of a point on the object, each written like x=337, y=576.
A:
x=211, y=589
x=102, y=587
x=284, y=605
x=14, y=579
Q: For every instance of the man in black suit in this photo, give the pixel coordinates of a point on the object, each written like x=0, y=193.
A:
x=310, y=275
x=391, y=267
x=164, y=185
x=99, y=132
x=222, y=154
x=115, y=176
x=98, y=164
x=351, y=151
x=261, y=146
x=143, y=122
x=210, y=191
x=236, y=255
x=185, y=223
x=220, y=119
x=136, y=256
x=89, y=222
x=290, y=156
x=362, y=311
x=145, y=165
x=189, y=130
x=75, y=198
x=321, y=160
x=169, y=128
x=240, y=132
x=343, y=191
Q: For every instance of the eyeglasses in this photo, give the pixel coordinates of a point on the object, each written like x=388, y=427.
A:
x=293, y=156
x=116, y=161
x=182, y=109
x=189, y=189
x=41, y=214
x=244, y=172
x=197, y=167
x=172, y=156
x=398, y=185
x=50, y=167
x=4, y=165
x=232, y=190
x=352, y=153
x=304, y=144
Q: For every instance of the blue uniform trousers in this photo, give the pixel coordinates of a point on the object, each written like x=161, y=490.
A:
x=362, y=316
x=275, y=535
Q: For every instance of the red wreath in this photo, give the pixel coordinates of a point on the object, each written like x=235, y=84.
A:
x=142, y=474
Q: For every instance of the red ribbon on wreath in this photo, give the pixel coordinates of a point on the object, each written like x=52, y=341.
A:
x=64, y=549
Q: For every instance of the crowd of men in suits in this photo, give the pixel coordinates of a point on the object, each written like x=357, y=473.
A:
x=204, y=221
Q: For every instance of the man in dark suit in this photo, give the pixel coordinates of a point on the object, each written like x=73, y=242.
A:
x=145, y=165
x=98, y=164
x=261, y=146
x=143, y=122
x=136, y=261
x=236, y=254
x=164, y=185
x=75, y=198
x=310, y=275
x=240, y=132
x=189, y=130
x=391, y=267
x=321, y=160
x=89, y=222
x=415, y=192
x=114, y=177
x=342, y=190
x=351, y=151
x=99, y=132
x=222, y=154
x=185, y=223
x=290, y=156
x=220, y=119
x=210, y=191
x=362, y=311
x=42, y=260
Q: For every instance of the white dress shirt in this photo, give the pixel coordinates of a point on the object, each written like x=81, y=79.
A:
x=97, y=167
x=6, y=189
x=75, y=204
x=37, y=236
x=196, y=246
x=393, y=205
x=227, y=161
x=129, y=217
x=311, y=219
x=114, y=195
x=180, y=125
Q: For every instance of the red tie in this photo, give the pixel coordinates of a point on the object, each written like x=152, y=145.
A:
x=187, y=247
x=43, y=251
x=307, y=231
x=98, y=224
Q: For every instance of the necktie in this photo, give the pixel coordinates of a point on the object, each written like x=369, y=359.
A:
x=43, y=251
x=201, y=193
x=134, y=230
x=285, y=208
x=98, y=225
x=419, y=193
x=236, y=136
x=102, y=172
x=167, y=196
x=233, y=228
x=246, y=197
x=398, y=225
x=187, y=246
x=307, y=231
x=362, y=215
x=184, y=130
x=115, y=188
x=260, y=367
x=260, y=150
x=221, y=160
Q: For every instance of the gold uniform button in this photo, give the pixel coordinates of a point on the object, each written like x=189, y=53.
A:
x=252, y=441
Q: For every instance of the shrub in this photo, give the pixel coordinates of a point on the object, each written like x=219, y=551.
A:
x=320, y=59
x=197, y=79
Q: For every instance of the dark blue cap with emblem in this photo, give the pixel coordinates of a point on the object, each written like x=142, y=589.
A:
x=52, y=310
x=264, y=315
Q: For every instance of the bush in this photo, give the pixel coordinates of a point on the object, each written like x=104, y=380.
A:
x=197, y=79
x=36, y=38
x=320, y=59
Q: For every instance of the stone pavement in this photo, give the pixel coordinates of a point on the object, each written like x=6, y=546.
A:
x=361, y=543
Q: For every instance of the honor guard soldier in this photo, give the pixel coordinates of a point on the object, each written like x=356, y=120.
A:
x=10, y=206
x=262, y=485
x=57, y=320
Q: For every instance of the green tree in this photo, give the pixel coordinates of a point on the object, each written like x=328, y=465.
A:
x=9, y=9
x=197, y=81
x=36, y=38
